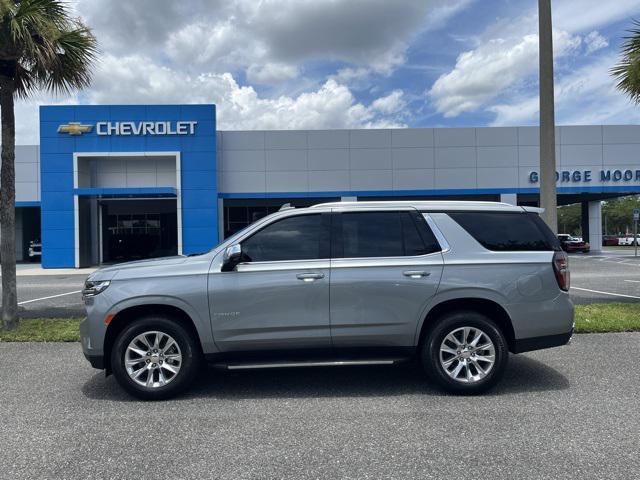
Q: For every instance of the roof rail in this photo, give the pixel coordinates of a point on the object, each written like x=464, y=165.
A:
x=286, y=206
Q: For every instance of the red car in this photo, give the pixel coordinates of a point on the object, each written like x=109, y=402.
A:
x=572, y=244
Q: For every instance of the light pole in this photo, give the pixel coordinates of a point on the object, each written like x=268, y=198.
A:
x=548, y=199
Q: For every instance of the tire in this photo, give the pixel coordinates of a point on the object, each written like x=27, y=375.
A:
x=164, y=383
x=476, y=374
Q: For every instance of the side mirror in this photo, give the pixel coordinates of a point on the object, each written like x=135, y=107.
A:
x=231, y=257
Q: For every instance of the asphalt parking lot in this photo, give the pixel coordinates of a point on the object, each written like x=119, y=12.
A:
x=613, y=276
x=569, y=412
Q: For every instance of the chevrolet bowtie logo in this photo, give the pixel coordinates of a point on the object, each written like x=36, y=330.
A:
x=74, y=128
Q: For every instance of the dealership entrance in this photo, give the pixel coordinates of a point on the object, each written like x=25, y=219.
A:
x=138, y=229
x=118, y=230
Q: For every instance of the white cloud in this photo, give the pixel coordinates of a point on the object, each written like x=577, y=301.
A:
x=505, y=58
x=392, y=103
x=586, y=96
x=483, y=73
x=254, y=36
x=588, y=15
x=271, y=73
x=136, y=79
x=595, y=41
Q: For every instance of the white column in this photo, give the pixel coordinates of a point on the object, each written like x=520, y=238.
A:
x=510, y=198
x=595, y=226
x=220, y=219
x=348, y=199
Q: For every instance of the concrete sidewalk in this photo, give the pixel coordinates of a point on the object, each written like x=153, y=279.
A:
x=34, y=269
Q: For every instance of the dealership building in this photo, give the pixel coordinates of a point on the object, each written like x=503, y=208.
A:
x=110, y=183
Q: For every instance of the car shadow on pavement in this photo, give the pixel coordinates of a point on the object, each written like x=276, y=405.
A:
x=524, y=374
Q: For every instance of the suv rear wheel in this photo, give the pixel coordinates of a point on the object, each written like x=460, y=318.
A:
x=465, y=352
x=155, y=358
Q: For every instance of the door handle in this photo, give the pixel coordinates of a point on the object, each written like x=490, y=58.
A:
x=309, y=277
x=416, y=273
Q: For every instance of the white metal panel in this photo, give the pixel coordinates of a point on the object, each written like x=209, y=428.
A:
x=328, y=159
x=581, y=155
x=456, y=157
x=413, y=158
x=497, y=156
x=412, y=137
x=370, y=159
x=414, y=179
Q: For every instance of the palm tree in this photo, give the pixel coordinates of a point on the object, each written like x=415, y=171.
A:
x=42, y=47
x=627, y=72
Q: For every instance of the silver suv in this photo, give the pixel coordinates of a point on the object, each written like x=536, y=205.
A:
x=457, y=285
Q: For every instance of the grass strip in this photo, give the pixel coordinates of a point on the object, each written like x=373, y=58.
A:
x=44, y=330
x=608, y=317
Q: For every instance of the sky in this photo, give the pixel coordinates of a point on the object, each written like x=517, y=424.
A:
x=317, y=64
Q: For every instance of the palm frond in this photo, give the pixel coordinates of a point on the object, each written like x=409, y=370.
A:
x=627, y=71
x=49, y=49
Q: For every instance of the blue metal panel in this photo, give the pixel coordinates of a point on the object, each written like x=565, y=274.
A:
x=198, y=179
x=200, y=217
x=57, y=257
x=203, y=161
x=198, y=162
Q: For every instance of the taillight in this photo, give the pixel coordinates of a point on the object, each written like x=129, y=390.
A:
x=561, y=269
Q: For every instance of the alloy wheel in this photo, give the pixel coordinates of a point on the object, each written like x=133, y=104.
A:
x=467, y=354
x=153, y=359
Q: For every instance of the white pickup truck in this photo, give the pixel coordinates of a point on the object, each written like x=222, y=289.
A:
x=628, y=240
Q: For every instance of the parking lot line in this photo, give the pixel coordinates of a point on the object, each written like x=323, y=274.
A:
x=49, y=297
x=605, y=293
x=633, y=281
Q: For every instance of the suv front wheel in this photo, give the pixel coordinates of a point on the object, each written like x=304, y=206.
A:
x=155, y=358
x=465, y=352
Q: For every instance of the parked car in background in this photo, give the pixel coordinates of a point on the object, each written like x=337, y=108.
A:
x=573, y=244
x=35, y=250
x=628, y=240
x=455, y=285
x=610, y=241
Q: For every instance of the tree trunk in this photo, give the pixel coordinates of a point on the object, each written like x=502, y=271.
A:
x=8, y=205
x=548, y=198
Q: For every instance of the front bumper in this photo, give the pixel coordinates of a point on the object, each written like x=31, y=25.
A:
x=96, y=361
x=92, y=354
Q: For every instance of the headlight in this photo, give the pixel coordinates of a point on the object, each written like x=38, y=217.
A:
x=91, y=289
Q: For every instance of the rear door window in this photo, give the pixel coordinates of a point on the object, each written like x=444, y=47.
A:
x=382, y=234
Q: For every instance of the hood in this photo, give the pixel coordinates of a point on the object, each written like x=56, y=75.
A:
x=108, y=272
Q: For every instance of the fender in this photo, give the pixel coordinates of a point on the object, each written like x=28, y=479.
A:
x=203, y=326
x=458, y=294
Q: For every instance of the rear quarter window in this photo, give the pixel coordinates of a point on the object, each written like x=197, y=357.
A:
x=507, y=232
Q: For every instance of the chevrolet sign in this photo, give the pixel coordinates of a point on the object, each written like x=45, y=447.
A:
x=146, y=128
x=74, y=128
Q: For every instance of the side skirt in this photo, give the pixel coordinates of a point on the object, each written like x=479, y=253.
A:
x=309, y=358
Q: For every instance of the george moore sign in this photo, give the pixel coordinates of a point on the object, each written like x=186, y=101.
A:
x=585, y=176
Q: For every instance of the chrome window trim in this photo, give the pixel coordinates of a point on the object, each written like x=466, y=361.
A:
x=283, y=265
x=364, y=262
x=438, y=233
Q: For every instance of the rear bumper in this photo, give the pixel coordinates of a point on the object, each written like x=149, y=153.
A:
x=538, y=343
